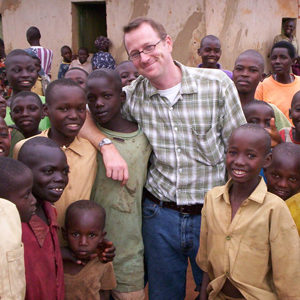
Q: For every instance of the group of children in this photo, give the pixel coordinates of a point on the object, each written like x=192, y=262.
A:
x=66, y=203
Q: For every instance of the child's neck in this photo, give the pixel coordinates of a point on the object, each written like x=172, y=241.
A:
x=62, y=141
x=119, y=124
x=246, y=98
x=210, y=66
x=239, y=192
x=40, y=212
x=30, y=134
x=283, y=78
x=71, y=267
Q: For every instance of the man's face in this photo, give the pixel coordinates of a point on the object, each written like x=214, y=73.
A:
x=154, y=65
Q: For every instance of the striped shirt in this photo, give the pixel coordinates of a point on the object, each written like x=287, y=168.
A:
x=45, y=55
x=188, y=138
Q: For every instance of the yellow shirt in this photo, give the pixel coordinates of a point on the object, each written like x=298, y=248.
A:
x=293, y=204
x=258, y=251
x=81, y=157
x=12, y=271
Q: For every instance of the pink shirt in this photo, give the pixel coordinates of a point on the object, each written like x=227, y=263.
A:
x=46, y=57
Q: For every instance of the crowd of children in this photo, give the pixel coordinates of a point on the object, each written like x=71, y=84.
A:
x=57, y=205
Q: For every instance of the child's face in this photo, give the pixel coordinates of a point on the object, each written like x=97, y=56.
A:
x=260, y=115
x=2, y=107
x=247, y=73
x=78, y=77
x=66, y=53
x=295, y=113
x=281, y=61
x=246, y=156
x=127, y=72
x=22, y=196
x=103, y=100
x=84, y=233
x=82, y=56
x=26, y=113
x=50, y=173
x=210, y=52
x=283, y=177
x=289, y=28
x=4, y=138
x=21, y=73
x=67, y=112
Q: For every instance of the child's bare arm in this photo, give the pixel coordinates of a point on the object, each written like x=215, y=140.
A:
x=205, y=282
x=104, y=295
x=115, y=165
x=274, y=134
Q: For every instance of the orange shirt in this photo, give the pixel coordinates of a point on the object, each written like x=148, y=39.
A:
x=258, y=251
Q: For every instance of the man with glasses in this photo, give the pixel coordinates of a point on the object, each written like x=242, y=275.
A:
x=187, y=114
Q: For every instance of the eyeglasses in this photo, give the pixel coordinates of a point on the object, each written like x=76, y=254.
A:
x=137, y=54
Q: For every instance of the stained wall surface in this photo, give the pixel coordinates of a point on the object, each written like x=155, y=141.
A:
x=240, y=24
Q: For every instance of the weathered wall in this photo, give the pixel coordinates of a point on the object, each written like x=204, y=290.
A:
x=240, y=24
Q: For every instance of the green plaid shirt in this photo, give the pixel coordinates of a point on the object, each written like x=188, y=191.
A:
x=188, y=138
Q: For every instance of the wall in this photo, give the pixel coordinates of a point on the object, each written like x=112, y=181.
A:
x=240, y=24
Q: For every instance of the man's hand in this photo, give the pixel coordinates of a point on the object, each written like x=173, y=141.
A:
x=106, y=251
x=274, y=134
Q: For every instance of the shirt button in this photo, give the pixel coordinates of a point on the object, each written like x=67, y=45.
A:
x=179, y=150
x=175, y=128
x=171, y=108
x=180, y=170
x=228, y=237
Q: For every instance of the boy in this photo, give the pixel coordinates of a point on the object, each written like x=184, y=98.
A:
x=292, y=134
x=78, y=75
x=26, y=110
x=210, y=52
x=15, y=185
x=4, y=138
x=43, y=262
x=66, y=54
x=82, y=61
x=66, y=109
x=283, y=177
x=127, y=72
x=84, y=230
x=122, y=203
x=246, y=232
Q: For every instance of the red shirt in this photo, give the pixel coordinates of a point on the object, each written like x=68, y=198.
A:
x=43, y=261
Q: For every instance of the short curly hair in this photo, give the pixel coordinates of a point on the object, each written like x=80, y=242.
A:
x=102, y=43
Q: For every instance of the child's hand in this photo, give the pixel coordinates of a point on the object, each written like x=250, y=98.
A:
x=106, y=251
x=274, y=134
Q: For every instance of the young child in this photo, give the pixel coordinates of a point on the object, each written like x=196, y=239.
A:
x=22, y=74
x=15, y=186
x=82, y=61
x=246, y=232
x=122, y=203
x=78, y=75
x=127, y=71
x=43, y=261
x=4, y=138
x=283, y=177
x=66, y=54
x=292, y=134
x=84, y=230
x=66, y=109
x=210, y=52
x=26, y=110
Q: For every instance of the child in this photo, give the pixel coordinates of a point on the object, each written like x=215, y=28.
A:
x=283, y=177
x=122, y=203
x=246, y=232
x=15, y=185
x=210, y=52
x=26, y=110
x=82, y=61
x=4, y=138
x=292, y=134
x=66, y=54
x=43, y=262
x=21, y=73
x=66, y=109
x=127, y=71
x=78, y=75
x=84, y=230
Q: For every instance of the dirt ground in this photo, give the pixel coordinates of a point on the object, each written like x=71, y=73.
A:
x=190, y=286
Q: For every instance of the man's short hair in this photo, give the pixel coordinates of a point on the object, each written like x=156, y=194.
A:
x=33, y=34
x=157, y=27
x=283, y=44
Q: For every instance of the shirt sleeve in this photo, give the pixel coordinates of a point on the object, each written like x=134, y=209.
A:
x=259, y=92
x=108, y=280
x=285, y=253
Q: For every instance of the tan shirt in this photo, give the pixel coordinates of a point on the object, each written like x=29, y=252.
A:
x=12, y=271
x=86, y=284
x=81, y=157
x=258, y=251
x=87, y=66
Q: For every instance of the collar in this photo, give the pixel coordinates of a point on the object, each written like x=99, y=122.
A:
x=258, y=195
x=218, y=66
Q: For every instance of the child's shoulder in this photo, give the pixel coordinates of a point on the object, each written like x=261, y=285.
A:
x=83, y=146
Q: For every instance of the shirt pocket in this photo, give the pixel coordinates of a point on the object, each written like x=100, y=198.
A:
x=16, y=272
x=209, y=145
